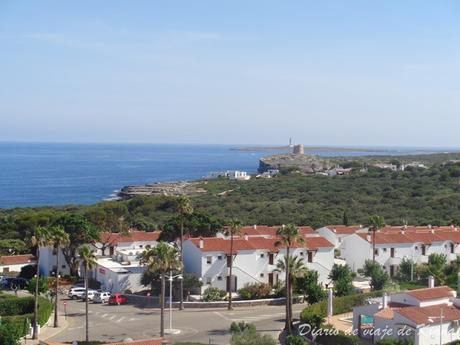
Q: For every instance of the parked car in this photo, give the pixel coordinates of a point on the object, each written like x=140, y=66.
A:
x=91, y=294
x=101, y=297
x=117, y=298
x=76, y=292
x=15, y=283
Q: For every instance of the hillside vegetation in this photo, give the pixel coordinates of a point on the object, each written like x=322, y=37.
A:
x=415, y=196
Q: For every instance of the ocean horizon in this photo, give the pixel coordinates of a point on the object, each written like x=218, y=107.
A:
x=41, y=174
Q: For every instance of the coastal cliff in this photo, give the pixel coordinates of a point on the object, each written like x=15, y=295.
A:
x=304, y=163
x=167, y=189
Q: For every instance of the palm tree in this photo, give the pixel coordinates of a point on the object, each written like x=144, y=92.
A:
x=88, y=261
x=296, y=267
x=40, y=238
x=58, y=238
x=233, y=228
x=289, y=236
x=375, y=224
x=162, y=259
x=184, y=208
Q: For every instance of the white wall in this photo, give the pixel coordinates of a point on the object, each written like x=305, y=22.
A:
x=355, y=251
x=48, y=261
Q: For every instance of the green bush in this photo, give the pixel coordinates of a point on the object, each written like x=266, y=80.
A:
x=17, y=315
x=339, y=339
x=295, y=340
x=251, y=337
x=16, y=306
x=341, y=305
x=255, y=291
x=238, y=327
x=8, y=335
x=212, y=294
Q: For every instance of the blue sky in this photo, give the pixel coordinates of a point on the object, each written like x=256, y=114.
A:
x=239, y=72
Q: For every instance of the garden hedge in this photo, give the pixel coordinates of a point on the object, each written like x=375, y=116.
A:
x=341, y=305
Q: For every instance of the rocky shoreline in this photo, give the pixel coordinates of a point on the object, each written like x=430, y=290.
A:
x=166, y=189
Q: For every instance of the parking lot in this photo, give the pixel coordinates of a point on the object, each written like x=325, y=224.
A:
x=113, y=322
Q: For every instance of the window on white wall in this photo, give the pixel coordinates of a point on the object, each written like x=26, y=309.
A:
x=208, y=280
x=219, y=257
x=262, y=255
x=209, y=260
x=219, y=278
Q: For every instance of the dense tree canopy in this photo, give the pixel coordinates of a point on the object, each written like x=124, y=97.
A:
x=414, y=196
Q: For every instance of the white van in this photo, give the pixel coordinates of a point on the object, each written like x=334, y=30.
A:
x=101, y=297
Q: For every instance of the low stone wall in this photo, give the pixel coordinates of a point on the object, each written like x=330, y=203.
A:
x=153, y=302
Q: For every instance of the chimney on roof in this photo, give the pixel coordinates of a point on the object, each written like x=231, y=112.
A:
x=255, y=226
x=334, y=230
x=385, y=301
x=432, y=231
x=402, y=232
x=369, y=238
x=246, y=237
x=360, y=226
x=405, y=226
x=429, y=226
x=430, y=282
x=201, y=243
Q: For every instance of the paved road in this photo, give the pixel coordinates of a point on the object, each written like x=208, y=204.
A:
x=203, y=325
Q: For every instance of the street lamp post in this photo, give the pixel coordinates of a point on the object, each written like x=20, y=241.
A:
x=440, y=317
x=171, y=279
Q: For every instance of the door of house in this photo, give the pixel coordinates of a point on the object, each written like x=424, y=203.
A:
x=423, y=249
x=229, y=260
x=270, y=279
x=452, y=248
x=271, y=258
x=392, y=271
x=310, y=256
x=392, y=252
x=111, y=250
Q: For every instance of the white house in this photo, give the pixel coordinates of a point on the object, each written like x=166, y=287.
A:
x=121, y=271
x=14, y=263
x=238, y=175
x=336, y=233
x=254, y=261
x=108, y=244
x=425, y=316
x=391, y=247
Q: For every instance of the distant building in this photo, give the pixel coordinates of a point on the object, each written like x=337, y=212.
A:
x=255, y=257
x=238, y=175
x=423, y=316
x=298, y=149
x=230, y=174
x=14, y=263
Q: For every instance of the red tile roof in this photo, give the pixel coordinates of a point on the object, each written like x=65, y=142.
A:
x=386, y=313
x=431, y=293
x=218, y=244
x=402, y=237
x=17, y=259
x=423, y=315
x=131, y=236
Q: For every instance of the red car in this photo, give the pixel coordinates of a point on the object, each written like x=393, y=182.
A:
x=117, y=298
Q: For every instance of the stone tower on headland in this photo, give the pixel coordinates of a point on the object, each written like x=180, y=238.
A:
x=298, y=149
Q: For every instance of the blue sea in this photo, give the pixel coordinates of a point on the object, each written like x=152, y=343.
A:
x=33, y=174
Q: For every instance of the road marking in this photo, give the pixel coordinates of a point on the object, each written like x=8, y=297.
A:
x=105, y=315
x=120, y=319
x=222, y=316
x=112, y=317
x=132, y=319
